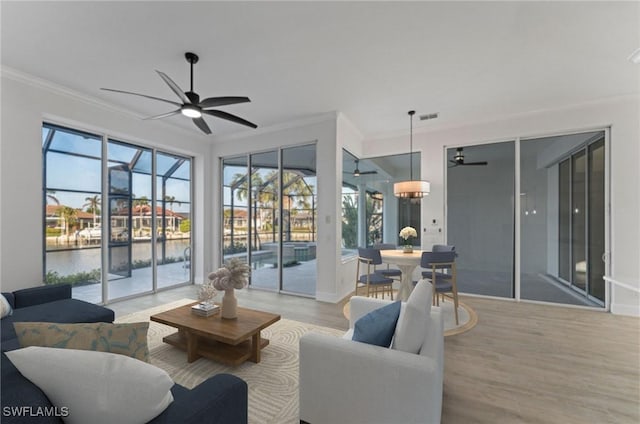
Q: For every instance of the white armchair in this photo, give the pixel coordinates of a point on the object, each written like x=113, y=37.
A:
x=342, y=381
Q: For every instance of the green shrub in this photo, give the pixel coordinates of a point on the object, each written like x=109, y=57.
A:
x=77, y=279
x=235, y=248
x=53, y=232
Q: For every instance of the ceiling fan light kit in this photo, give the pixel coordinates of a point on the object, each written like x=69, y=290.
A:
x=357, y=172
x=411, y=189
x=191, y=111
x=458, y=160
x=191, y=105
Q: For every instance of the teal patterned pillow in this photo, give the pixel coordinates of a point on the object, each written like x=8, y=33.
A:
x=125, y=339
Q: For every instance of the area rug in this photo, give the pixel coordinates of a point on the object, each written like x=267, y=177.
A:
x=273, y=383
x=467, y=317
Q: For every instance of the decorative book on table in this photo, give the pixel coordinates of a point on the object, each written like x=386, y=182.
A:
x=205, y=309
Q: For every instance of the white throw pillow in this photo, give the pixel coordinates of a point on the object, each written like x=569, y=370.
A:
x=412, y=324
x=96, y=387
x=5, y=307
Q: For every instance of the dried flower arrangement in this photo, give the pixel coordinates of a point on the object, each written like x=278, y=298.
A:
x=233, y=275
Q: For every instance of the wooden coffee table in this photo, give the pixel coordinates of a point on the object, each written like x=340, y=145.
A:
x=230, y=341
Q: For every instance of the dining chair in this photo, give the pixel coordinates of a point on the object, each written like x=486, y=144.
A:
x=389, y=272
x=442, y=283
x=373, y=281
x=440, y=248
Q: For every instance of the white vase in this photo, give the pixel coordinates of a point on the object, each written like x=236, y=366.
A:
x=229, y=305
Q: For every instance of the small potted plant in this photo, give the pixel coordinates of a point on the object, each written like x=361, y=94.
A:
x=406, y=233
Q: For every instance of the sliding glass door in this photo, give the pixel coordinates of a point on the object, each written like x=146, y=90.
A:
x=269, y=217
x=581, y=188
x=264, y=220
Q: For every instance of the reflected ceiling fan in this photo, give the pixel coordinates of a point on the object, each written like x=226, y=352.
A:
x=356, y=172
x=191, y=106
x=458, y=160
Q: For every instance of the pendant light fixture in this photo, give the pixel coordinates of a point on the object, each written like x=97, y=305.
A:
x=411, y=189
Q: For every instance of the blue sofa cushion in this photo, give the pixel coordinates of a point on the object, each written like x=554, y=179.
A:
x=18, y=392
x=42, y=294
x=60, y=311
x=220, y=399
x=377, y=327
x=10, y=298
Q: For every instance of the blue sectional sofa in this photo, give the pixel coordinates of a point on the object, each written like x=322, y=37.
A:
x=219, y=399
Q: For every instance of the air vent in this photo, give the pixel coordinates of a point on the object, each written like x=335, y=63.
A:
x=428, y=116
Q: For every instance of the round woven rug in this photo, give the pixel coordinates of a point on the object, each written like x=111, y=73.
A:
x=467, y=317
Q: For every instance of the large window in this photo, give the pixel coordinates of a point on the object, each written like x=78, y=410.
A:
x=93, y=203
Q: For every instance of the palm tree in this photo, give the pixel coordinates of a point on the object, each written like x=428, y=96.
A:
x=68, y=214
x=51, y=196
x=171, y=200
x=92, y=206
x=140, y=203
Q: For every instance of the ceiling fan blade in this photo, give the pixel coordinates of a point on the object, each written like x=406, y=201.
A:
x=221, y=101
x=174, y=87
x=164, y=115
x=230, y=117
x=202, y=125
x=474, y=163
x=368, y=172
x=142, y=95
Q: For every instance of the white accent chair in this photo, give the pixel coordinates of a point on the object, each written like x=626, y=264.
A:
x=342, y=381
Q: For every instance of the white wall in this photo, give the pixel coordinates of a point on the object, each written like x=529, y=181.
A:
x=322, y=130
x=621, y=114
x=26, y=102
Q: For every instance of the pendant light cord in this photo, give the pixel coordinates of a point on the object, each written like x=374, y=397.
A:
x=411, y=113
x=191, y=76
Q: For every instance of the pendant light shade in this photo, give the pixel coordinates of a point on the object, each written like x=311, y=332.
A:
x=411, y=189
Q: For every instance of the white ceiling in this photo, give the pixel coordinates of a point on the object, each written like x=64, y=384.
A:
x=373, y=61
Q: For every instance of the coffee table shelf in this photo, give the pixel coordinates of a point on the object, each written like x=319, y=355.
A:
x=231, y=342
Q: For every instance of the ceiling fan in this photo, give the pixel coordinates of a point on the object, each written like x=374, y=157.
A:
x=458, y=160
x=357, y=172
x=191, y=106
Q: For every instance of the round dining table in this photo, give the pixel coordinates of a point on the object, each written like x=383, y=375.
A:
x=407, y=263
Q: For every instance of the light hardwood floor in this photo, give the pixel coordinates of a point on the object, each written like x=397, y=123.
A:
x=522, y=363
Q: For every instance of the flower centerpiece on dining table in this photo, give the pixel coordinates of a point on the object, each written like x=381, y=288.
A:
x=406, y=233
x=233, y=275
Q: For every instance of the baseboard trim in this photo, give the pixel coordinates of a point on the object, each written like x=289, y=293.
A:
x=628, y=310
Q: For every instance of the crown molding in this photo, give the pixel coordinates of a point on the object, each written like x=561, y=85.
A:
x=297, y=123
x=345, y=120
x=37, y=82
x=498, y=119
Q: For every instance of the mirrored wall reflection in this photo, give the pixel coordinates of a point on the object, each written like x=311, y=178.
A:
x=480, y=220
x=371, y=214
x=562, y=218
